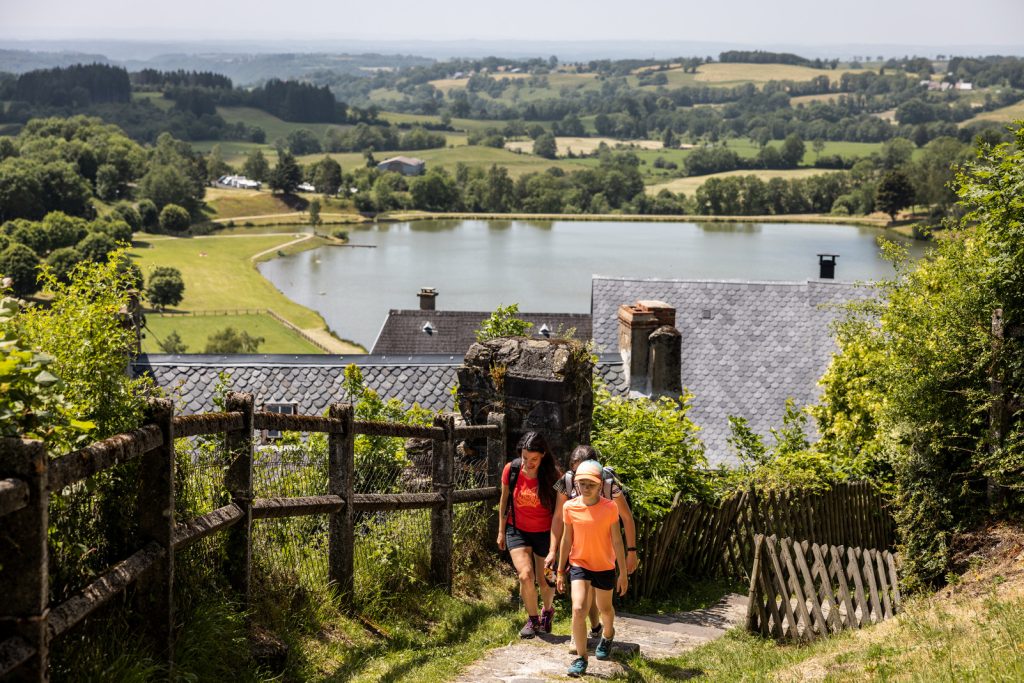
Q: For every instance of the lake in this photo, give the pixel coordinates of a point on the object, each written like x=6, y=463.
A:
x=547, y=265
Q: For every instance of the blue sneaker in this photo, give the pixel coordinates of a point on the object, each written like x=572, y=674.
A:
x=604, y=648
x=577, y=668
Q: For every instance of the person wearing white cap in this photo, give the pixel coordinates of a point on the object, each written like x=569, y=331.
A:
x=591, y=545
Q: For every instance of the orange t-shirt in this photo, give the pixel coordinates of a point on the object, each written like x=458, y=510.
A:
x=592, y=529
x=531, y=515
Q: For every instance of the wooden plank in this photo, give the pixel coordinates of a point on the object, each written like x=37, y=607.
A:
x=103, y=455
x=340, y=482
x=191, y=531
x=207, y=423
x=839, y=573
x=13, y=495
x=864, y=557
x=755, y=609
x=810, y=593
x=894, y=581
x=295, y=506
x=883, y=584
x=786, y=546
x=853, y=571
x=765, y=582
x=779, y=583
x=820, y=569
x=13, y=653
x=441, y=532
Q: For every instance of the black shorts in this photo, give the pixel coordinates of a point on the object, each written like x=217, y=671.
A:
x=604, y=581
x=540, y=541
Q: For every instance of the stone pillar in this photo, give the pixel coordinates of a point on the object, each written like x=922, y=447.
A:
x=636, y=324
x=540, y=385
x=664, y=369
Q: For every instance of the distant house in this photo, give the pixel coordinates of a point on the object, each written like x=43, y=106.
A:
x=964, y=86
x=403, y=165
x=305, y=187
x=239, y=181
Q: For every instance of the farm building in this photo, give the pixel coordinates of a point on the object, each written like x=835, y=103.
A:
x=239, y=181
x=403, y=165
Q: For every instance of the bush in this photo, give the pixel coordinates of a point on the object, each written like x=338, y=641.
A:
x=653, y=447
x=503, y=323
x=21, y=264
x=62, y=262
x=165, y=287
x=148, y=213
x=174, y=218
x=117, y=229
x=64, y=230
x=230, y=340
x=128, y=213
x=96, y=246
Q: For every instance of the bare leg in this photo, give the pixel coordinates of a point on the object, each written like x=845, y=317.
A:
x=603, y=600
x=547, y=593
x=580, y=600
x=595, y=614
x=522, y=559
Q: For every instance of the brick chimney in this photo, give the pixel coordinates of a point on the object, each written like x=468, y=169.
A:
x=427, y=296
x=636, y=324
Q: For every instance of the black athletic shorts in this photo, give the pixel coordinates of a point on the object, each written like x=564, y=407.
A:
x=604, y=581
x=540, y=541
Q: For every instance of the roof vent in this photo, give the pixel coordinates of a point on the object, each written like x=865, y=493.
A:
x=544, y=330
x=428, y=328
x=706, y=314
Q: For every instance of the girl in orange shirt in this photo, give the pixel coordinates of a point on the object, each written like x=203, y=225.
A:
x=591, y=545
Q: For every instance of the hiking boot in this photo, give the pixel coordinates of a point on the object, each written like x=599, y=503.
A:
x=577, y=668
x=604, y=648
x=595, y=631
x=547, y=617
x=531, y=628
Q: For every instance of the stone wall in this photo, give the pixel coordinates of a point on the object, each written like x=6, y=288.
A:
x=540, y=385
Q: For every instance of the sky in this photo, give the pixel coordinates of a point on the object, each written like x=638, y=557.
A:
x=754, y=22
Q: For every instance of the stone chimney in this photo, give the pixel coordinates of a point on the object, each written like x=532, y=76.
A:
x=636, y=324
x=427, y=296
x=665, y=362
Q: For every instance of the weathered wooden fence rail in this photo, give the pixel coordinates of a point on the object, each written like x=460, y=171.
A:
x=27, y=477
x=801, y=590
x=703, y=539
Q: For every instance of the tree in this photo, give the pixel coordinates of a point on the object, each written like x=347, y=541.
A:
x=148, y=213
x=165, y=287
x=327, y=176
x=545, y=146
x=895, y=192
x=172, y=343
x=256, y=166
x=818, y=146
x=230, y=340
x=174, y=218
x=62, y=262
x=215, y=164
x=287, y=175
x=20, y=264
x=668, y=139
x=96, y=246
x=792, y=151
x=434, y=191
x=314, y=214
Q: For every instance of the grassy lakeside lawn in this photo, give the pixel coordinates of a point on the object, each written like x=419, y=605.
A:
x=195, y=330
x=219, y=274
x=689, y=185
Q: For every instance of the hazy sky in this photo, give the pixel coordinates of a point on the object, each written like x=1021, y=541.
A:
x=765, y=22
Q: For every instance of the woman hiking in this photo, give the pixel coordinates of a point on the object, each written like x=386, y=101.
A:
x=591, y=546
x=566, y=489
x=524, y=525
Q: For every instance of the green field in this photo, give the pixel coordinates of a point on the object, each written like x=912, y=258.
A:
x=156, y=98
x=195, y=330
x=688, y=186
x=219, y=273
x=275, y=128
x=1014, y=112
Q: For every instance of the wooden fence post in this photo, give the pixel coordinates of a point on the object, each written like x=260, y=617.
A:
x=441, y=517
x=238, y=482
x=496, y=454
x=156, y=523
x=341, y=534
x=24, y=576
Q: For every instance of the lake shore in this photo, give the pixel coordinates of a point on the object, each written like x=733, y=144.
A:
x=405, y=216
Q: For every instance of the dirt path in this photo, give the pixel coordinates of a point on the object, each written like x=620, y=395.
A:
x=546, y=658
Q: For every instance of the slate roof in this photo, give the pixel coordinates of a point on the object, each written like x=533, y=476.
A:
x=452, y=332
x=746, y=346
x=313, y=382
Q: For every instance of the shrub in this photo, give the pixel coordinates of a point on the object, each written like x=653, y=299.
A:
x=148, y=213
x=174, y=218
x=129, y=214
x=64, y=230
x=21, y=264
x=62, y=262
x=96, y=246
x=503, y=323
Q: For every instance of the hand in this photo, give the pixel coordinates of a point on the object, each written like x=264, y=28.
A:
x=560, y=583
x=550, y=560
x=623, y=583
x=501, y=540
x=631, y=562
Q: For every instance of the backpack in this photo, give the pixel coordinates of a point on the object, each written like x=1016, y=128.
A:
x=513, y=477
x=607, y=473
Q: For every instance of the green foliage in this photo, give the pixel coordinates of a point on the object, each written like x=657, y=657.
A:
x=286, y=175
x=165, y=287
x=21, y=265
x=895, y=192
x=96, y=246
x=230, y=340
x=256, y=166
x=545, y=146
x=503, y=323
x=148, y=213
x=172, y=344
x=174, y=219
x=63, y=261
x=654, y=449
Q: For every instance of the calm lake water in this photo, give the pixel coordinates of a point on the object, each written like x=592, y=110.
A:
x=547, y=265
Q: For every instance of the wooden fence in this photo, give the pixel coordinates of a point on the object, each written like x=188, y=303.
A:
x=802, y=591
x=702, y=540
x=27, y=476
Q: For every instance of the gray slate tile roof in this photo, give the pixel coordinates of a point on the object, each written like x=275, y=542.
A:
x=762, y=342
x=452, y=332
x=313, y=382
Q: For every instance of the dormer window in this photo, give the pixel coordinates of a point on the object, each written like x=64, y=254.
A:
x=544, y=330
x=428, y=328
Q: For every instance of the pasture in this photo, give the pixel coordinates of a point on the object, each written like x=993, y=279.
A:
x=194, y=332
x=688, y=186
x=582, y=145
x=737, y=73
x=1014, y=112
x=275, y=128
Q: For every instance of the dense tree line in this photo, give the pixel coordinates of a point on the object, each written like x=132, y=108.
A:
x=762, y=57
x=78, y=85
x=154, y=79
